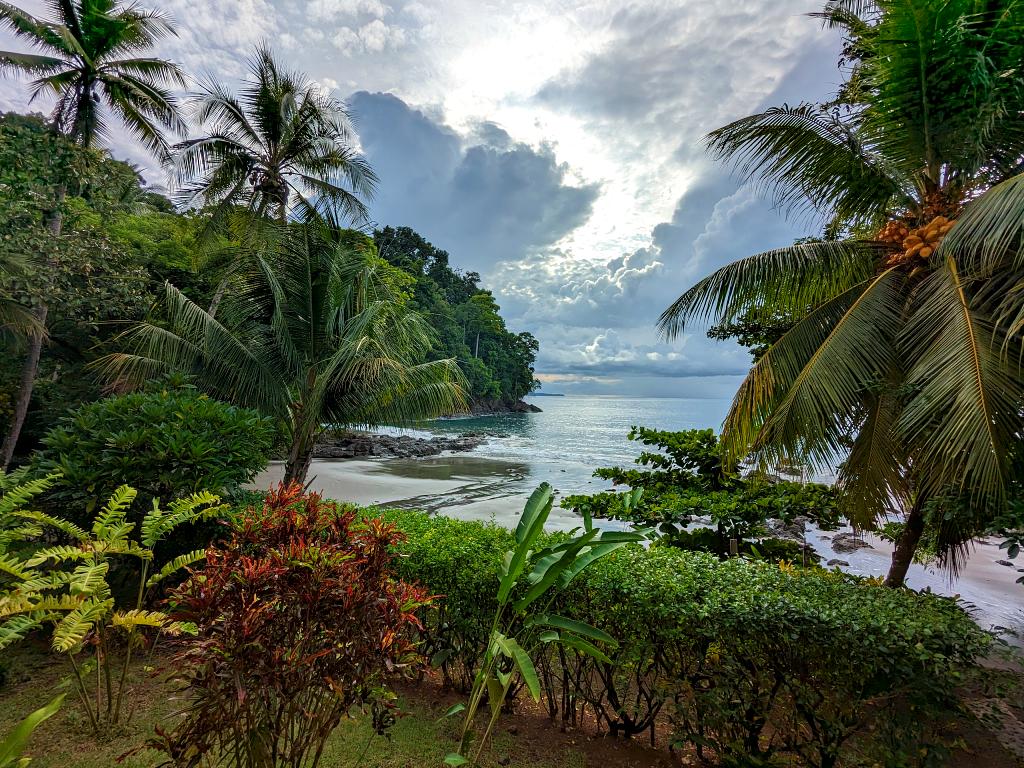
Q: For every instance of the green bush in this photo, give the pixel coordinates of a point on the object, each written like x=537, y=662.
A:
x=750, y=662
x=169, y=441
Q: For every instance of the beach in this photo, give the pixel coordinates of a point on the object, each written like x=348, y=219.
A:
x=480, y=487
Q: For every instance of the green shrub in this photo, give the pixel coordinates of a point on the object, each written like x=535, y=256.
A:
x=168, y=441
x=751, y=662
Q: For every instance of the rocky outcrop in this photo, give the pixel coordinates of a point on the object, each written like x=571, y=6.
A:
x=488, y=407
x=791, y=531
x=351, y=445
x=849, y=542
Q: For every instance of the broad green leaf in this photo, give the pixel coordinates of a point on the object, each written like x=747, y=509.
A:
x=495, y=693
x=14, y=744
x=578, y=627
x=584, y=647
x=530, y=526
x=526, y=668
x=454, y=759
x=453, y=710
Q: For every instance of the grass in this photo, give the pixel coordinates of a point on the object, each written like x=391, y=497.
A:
x=418, y=739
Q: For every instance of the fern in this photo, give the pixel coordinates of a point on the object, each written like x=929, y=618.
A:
x=90, y=579
x=130, y=620
x=125, y=547
x=182, y=561
x=14, y=567
x=64, y=526
x=17, y=496
x=111, y=523
x=13, y=630
x=158, y=523
x=71, y=631
x=176, y=628
x=59, y=554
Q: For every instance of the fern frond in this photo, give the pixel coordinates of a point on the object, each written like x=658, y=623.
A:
x=64, y=526
x=110, y=523
x=15, y=629
x=125, y=547
x=19, y=495
x=182, y=561
x=61, y=553
x=44, y=582
x=90, y=579
x=14, y=567
x=176, y=628
x=159, y=522
x=16, y=604
x=72, y=630
x=128, y=620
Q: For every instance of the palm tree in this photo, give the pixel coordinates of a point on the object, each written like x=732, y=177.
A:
x=282, y=144
x=89, y=60
x=907, y=357
x=319, y=334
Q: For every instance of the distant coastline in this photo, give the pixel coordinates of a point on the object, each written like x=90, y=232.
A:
x=546, y=394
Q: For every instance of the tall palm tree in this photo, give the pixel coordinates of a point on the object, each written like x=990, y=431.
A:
x=907, y=361
x=320, y=334
x=89, y=60
x=281, y=144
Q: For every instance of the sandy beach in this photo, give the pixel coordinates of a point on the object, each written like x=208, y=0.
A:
x=471, y=487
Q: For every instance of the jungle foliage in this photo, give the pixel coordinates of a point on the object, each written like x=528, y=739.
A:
x=750, y=661
x=498, y=363
x=685, y=481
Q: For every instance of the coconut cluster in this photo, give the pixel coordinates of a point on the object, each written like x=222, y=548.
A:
x=919, y=243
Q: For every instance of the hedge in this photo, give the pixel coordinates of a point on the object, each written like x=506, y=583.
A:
x=752, y=663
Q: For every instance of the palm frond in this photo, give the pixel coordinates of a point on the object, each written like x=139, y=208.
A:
x=792, y=278
x=805, y=156
x=873, y=479
x=965, y=412
x=990, y=233
x=804, y=395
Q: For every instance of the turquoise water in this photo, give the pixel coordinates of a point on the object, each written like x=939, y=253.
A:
x=573, y=435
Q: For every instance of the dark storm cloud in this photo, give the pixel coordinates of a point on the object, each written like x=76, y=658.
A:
x=486, y=199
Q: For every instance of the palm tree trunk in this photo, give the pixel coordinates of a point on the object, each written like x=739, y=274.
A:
x=906, y=546
x=300, y=455
x=217, y=296
x=297, y=466
x=30, y=369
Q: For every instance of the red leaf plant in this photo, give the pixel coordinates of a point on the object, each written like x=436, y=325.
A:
x=301, y=622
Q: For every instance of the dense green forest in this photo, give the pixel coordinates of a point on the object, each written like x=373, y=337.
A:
x=120, y=242
x=497, y=362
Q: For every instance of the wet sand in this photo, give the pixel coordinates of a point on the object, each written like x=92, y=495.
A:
x=477, y=488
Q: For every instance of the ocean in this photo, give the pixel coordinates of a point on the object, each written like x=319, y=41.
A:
x=574, y=435
x=564, y=444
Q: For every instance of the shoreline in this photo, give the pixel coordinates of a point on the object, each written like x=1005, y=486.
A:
x=473, y=487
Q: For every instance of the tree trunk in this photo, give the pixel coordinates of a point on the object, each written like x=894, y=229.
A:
x=217, y=296
x=30, y=369
x=476, y=348
x=906, y=546
x=300, y=455
x=297, y=466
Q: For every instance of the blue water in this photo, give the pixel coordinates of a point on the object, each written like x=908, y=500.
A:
x=573, y=435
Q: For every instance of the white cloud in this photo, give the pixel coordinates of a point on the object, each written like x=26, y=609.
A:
x=329, y=10
x=555, y=147
x=378, y=36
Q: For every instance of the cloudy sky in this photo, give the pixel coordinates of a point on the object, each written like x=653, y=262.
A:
x=552, y=146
